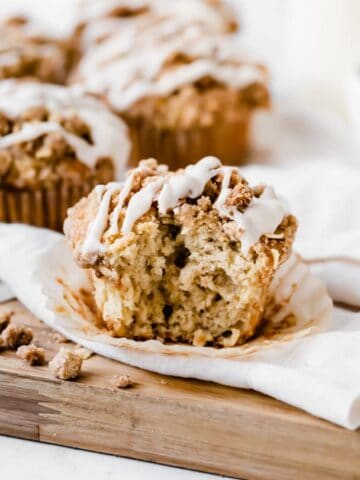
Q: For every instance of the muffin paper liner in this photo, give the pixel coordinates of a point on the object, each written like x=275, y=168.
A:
x=310, y=363
x=178, y=147
x=44, y=207
x=298, y=306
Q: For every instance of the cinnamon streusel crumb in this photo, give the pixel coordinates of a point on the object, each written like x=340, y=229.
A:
x=66, y=365
x=32, y=354
x=5, y=320
x=15, y=336
x=123, y=381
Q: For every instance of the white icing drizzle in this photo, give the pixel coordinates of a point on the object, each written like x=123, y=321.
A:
x=263, y=215
x=42, y=17
x=123, y=193
x=101, y=22
x=190, y=183
x=125, y=57
x=92, y=245
x=8, y=58
x=140, y=203
x=109, y=134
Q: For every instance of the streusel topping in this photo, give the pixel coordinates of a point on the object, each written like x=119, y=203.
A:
x=179, y=55
x=105, y=18
x=50, y=132
x=29, y=52
x=248, y=213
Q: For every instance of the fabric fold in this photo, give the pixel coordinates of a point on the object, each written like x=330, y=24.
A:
x=317, y=373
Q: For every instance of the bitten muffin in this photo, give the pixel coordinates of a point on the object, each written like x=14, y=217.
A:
x=26, y=52
x=56, y=144
x=183, y=256
x=184, y=90
x=97, y=21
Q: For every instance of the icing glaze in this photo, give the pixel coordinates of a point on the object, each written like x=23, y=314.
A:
x=190, y=183
x=262, y=216
x=101, y=18
x=109, y=134
x=125, y=57
x=42, y=17
x=140, y=203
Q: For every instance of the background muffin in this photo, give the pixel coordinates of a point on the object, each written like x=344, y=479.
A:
x=183, y=257
x=55, y=145
x=97, y=21
x=25, y=51
x=185, y=91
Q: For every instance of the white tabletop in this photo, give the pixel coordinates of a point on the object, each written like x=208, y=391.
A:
x=26, y=459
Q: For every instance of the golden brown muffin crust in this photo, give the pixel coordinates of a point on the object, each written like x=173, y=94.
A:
x=181, y=276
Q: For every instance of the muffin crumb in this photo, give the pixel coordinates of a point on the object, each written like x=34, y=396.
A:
x=32, y=354
x=5, y=319
x=66, y=365
x=123, y=381
x=83, y=352
x=16, y=336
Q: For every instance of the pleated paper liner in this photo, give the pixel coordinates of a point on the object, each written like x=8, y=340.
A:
x=179, y=147
x=299, y=305
x=46, y=207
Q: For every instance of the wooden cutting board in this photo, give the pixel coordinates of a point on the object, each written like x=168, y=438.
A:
x=187, y=423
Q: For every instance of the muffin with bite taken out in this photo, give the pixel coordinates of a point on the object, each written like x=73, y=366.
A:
x=185, y=256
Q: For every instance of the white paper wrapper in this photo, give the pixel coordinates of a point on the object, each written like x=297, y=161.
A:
x=313, y=372
x=67, y=289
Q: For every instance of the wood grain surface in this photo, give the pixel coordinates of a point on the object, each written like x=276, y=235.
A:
x=187, y=423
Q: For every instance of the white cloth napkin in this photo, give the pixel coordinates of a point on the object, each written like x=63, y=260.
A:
x=324, y=195
x=318, y=373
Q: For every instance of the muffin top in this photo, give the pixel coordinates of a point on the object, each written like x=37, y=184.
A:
x=112, y=214
x=99, y=20
x=26, y=52
x=154, y=59
x=48, y=133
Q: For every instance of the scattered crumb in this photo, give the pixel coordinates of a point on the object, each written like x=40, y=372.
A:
x=66, y=365
x=163, y=381
x=5, y=320
x=83, y=352
x=15, y=336
x=59, y=338
x=32, y=354
x=123, y=381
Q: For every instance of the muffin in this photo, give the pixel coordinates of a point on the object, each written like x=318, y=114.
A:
x=56, y=144
x=26, y=52
x=98, y=21
x=184, y=91
x=185, y=256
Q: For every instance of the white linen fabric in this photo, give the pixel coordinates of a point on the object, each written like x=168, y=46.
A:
x=324, y=196
x=314, y=167
x=318, y=373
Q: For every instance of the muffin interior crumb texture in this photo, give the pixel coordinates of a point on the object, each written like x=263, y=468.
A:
x=181, y=275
